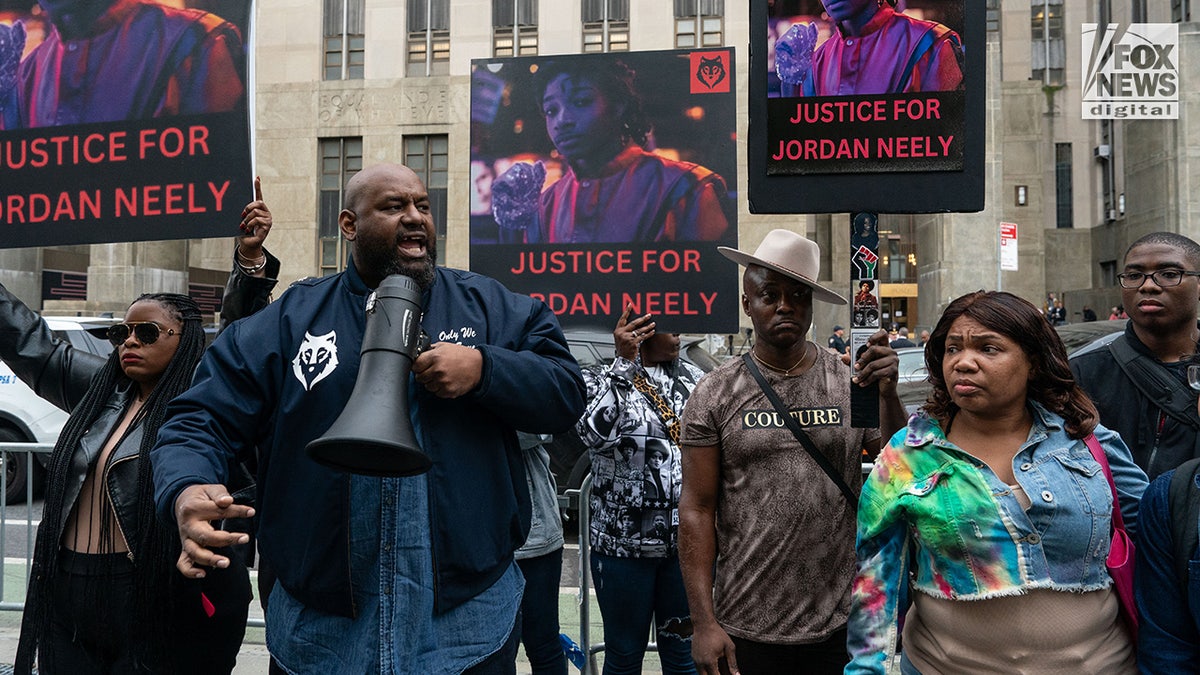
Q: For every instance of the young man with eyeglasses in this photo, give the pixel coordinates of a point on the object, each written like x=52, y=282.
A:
x=1139, y=383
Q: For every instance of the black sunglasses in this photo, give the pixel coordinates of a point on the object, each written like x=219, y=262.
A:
x=146, y=332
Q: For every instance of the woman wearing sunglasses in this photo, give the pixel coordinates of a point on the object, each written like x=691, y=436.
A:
x=104, y=596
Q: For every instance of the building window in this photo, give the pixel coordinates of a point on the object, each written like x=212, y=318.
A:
x=605, y=26
x=428, y=38
x=1064, y=210
x=344, y=40
x=1138, y=11
x=1049, y=45
x=514, y=28
x=1108, y=170
x=429, y=157
x=897, y=249
x=699, y=23
x=993, y=16
x=1181, y=11
x=62, y=285
x=341, y=158
x=1108, y=273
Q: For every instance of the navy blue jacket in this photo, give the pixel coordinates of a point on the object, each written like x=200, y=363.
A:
x=280, y=378
x=1168, y=616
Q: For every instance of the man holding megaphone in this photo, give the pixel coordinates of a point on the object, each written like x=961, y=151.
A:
x=377, y=572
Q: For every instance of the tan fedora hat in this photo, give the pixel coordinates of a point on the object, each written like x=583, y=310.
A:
x=790, y=254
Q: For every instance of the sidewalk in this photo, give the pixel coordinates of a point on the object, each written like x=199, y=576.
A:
x=253, y=658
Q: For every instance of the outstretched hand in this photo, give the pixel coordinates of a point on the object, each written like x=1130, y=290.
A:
x=629, y=334
x=195, y=509
x=515, y=195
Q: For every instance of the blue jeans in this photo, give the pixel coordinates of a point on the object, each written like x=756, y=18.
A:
x=539, y=614
x=633, y=592
x=503, y=662
x=906, y=666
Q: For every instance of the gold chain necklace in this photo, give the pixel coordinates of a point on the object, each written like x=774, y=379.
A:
x=787, y=371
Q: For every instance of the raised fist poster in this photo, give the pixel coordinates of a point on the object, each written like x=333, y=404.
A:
x=604, y=181
x=122, y=120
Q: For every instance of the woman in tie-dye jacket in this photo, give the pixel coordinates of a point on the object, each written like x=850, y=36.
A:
x=984, y=527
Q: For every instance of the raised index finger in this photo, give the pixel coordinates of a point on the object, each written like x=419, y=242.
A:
x=257, y=189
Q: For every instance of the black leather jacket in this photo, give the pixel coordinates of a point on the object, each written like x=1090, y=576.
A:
x=61, y=374
x=245, y=295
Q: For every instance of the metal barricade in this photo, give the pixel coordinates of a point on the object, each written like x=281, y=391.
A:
x=585, y=580
x=581, y=497
x=29, y=450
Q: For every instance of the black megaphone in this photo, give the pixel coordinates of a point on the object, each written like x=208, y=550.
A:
x=373, y=436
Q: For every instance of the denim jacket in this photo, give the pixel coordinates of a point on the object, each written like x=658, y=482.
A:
x=930, y=502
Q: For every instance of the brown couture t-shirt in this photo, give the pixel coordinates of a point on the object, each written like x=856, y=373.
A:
x=785, y=533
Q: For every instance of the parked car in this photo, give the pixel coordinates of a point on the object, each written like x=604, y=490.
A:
x=27, y=418
x=595, y=349
x=912, y=364
x=1081, y=338
x=1078, y=338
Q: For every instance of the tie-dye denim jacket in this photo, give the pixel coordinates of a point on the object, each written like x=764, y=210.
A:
x=935, y=519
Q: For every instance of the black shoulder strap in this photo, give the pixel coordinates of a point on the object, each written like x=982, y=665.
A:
x=1155, y=383
x=798, y=432
x=1183, y=497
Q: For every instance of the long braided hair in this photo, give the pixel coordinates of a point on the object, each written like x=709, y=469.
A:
x=155, y=550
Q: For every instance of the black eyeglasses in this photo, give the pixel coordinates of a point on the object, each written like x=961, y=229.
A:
x=1193, y=375
x=1161, y=278
x=146, y=332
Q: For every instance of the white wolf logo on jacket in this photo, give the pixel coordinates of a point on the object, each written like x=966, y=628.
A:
x=317, y=358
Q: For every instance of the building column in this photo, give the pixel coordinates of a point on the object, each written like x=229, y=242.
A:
x=21, y=274
x=119, y=273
